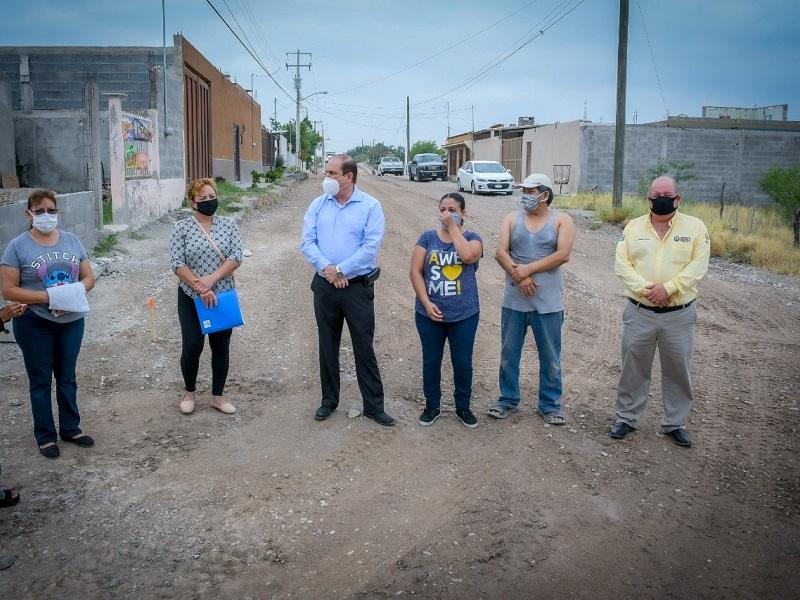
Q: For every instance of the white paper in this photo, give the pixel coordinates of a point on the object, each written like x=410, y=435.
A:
x=68, y=298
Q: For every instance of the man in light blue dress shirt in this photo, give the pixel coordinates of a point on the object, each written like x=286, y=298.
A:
x=342, y=233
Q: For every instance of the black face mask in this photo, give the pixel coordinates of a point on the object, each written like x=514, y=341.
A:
x=207, y=208
x=663, y=205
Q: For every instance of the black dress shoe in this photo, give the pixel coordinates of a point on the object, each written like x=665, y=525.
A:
x=380, y=418
x=323, y=412
x=681, y=437
x=619, y=430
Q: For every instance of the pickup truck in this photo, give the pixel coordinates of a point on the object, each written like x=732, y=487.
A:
x=427, y=166
x=390, y=164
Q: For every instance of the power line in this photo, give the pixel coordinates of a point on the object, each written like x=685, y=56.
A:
x=241, y=29
x=255, y=58
x=481, y=73
x=432, y=56
x=653, y=60
x=255, y=27
x=262, y=38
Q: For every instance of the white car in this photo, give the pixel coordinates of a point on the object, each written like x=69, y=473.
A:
x=487, y=176
x=390, y=164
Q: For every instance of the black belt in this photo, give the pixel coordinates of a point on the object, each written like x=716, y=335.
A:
x=660, y=309
x=352, y=280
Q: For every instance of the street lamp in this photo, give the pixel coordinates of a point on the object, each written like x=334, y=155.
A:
x=297, y=121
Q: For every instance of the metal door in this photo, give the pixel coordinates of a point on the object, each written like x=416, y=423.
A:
x=528, y=157
x=197, y=126
x=237, y=168
x=512, y=157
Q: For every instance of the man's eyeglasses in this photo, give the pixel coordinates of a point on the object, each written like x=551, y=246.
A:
x=41, y=211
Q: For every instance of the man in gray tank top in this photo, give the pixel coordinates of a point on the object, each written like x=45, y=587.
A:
x=534, y=242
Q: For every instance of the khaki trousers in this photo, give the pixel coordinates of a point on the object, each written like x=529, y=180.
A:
x=673, y=334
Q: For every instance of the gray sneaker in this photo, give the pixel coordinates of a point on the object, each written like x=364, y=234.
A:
x=500, y=411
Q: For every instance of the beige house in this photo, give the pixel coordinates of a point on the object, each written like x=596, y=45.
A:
x=726, y=156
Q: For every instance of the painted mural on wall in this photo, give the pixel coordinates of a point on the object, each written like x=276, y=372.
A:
x=137, y=133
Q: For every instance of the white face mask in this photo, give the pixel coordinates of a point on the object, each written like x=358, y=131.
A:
x=330, y=186
x=44, y=222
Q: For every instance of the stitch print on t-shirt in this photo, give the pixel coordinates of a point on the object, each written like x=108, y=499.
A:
x=56, y=268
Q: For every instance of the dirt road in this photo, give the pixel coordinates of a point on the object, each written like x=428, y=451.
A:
x=271, y=504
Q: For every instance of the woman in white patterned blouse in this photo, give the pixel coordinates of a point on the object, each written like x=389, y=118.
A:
x=205, y=250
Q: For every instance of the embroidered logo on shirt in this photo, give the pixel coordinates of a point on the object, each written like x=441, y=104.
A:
x=682, y=238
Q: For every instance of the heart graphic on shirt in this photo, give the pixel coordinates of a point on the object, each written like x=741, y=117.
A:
x=452, y=272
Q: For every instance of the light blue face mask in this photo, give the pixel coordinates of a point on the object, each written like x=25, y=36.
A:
x=456, y=218
x=530, y=202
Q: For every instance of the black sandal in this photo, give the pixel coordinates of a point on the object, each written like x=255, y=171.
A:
x=9, y=498
x=50, y=451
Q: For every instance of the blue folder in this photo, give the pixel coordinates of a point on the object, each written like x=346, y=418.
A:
x=225, y=315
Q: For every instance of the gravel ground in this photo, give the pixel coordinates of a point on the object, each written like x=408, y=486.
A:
x=269, y=503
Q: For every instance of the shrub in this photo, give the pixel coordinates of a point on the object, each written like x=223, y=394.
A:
x=273, y=175
x=783, y=186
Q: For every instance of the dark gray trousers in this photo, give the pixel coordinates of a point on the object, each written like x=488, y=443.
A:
x=673, y=334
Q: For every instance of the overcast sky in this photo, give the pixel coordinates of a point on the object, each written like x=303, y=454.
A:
x=711, y=52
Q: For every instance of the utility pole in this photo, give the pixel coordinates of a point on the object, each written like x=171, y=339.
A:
x=275, y=110
x=472, y=150
x=448, y=119
x=619, y=142
x=408, y=130
x=324, y=157
x=314, y=125
x=297, y=83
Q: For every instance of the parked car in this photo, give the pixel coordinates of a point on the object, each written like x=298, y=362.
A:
x=390, y=164
x=427, y=166
x=484, y=176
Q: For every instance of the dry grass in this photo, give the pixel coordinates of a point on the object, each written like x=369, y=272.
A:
x=756, y=236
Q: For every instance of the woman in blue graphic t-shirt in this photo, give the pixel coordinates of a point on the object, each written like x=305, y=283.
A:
x=33, y=262
x=443, y=269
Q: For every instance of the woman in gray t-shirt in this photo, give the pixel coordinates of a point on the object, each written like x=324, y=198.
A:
x=44, y=257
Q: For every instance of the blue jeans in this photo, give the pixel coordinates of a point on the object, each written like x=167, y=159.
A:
x=49, y=349
x=461, y=336
x=547, y=333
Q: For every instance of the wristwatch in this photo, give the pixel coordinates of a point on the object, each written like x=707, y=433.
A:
x=339, y=270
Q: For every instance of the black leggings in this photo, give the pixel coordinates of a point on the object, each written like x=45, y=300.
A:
x=193, y=342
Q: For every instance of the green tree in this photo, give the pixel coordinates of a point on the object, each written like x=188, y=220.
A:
x=309, y=138
x=783, y=186
x=425, y=147
x=373, y=153
x=678, y=170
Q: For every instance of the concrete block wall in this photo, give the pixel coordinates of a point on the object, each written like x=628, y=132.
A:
x=49, y=148
x=736, y=157
x=76, y=213
x=7, y=161
x=59, y=74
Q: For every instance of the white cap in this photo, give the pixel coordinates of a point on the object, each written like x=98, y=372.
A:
x=535, y=180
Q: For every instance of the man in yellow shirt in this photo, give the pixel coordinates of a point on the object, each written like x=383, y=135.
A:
x=660, y=259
